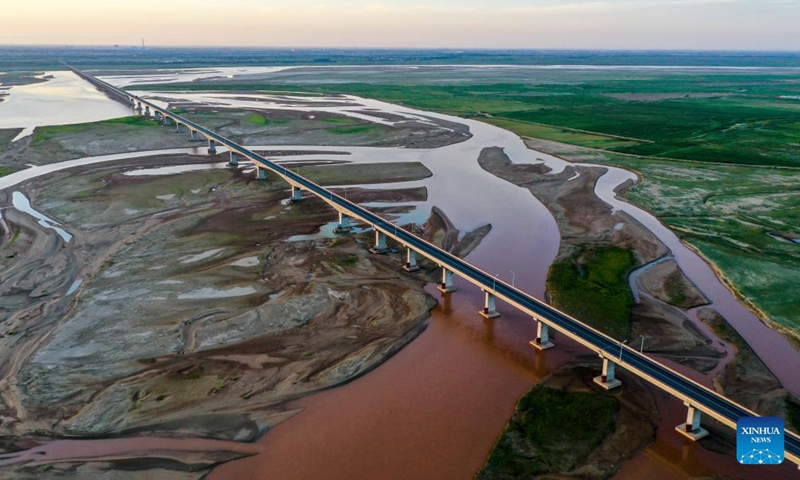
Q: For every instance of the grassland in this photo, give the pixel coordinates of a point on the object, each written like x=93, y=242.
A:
x=552, y=431
x=743, y=118
x=593, y=286
x=353, y=130
x=257, y=119
x=561, y=134
x=43, y=134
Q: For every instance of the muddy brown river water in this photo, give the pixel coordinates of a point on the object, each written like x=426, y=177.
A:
x=435, y=409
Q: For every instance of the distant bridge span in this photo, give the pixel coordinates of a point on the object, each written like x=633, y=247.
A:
x=696, y=397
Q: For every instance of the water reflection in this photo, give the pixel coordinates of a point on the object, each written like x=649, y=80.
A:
x=63, y=100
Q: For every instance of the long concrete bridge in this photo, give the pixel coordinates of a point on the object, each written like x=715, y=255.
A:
x=697, y=398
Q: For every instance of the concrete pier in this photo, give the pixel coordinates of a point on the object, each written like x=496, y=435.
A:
x=261, y=173
x=167, y=120
x=147, y=111
x=607, y=379
x=344, y=224
x=296, y=194
x=178, y=127
x=411, y=260
x=542, y=341
x=234, y=161
x=489, y=309
x=380, y=243
x=212, y=147
x=195, y=136
x=447, y=282
x=692, y=429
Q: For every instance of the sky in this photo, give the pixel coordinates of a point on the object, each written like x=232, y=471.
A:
x=584, y=24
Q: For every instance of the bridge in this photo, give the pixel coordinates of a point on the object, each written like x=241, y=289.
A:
x=697, y=398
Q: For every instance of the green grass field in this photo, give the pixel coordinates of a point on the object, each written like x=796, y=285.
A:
x=593, y=286
x=743, y=118
x=560, y=134
x=257, y=119
x=354, y=130
x=43, y=134
x=551, y=431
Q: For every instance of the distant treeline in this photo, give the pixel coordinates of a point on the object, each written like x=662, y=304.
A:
x=42, y=58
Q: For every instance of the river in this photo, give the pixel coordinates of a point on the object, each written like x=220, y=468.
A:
x=435, y=408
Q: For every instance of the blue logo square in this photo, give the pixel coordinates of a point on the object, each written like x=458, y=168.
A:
x=759, y=440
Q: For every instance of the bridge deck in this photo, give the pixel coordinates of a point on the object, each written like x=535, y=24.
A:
x=704, y=399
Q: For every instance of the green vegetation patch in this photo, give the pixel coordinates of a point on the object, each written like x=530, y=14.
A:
x=593, y=287
x=340, y=120
x=559, y=134
x=134, y=120
x=257, y=119
x=551, y=431
x=355, y=130
x=42, y=134
x=14, y=239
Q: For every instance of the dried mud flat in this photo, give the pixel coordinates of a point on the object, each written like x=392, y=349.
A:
x=182, y=309
x=246, y=127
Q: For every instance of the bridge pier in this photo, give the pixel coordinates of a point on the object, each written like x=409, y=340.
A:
x=607, y=379
x=411, y=260
x=147, y=111
x=344, y=224
x=167, y=120
x=157, y=116
x=178, y=127
x=195, y=136
x=234, y=161
x=296, y=194
x=489, y=309
x=380, y=243
x=261, y=173
x=692, y=429
x=542, y=341
x=212, y=147
x=139, y=108
x=447, y=281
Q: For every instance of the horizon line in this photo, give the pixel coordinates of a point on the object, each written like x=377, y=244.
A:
x=459, y=49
